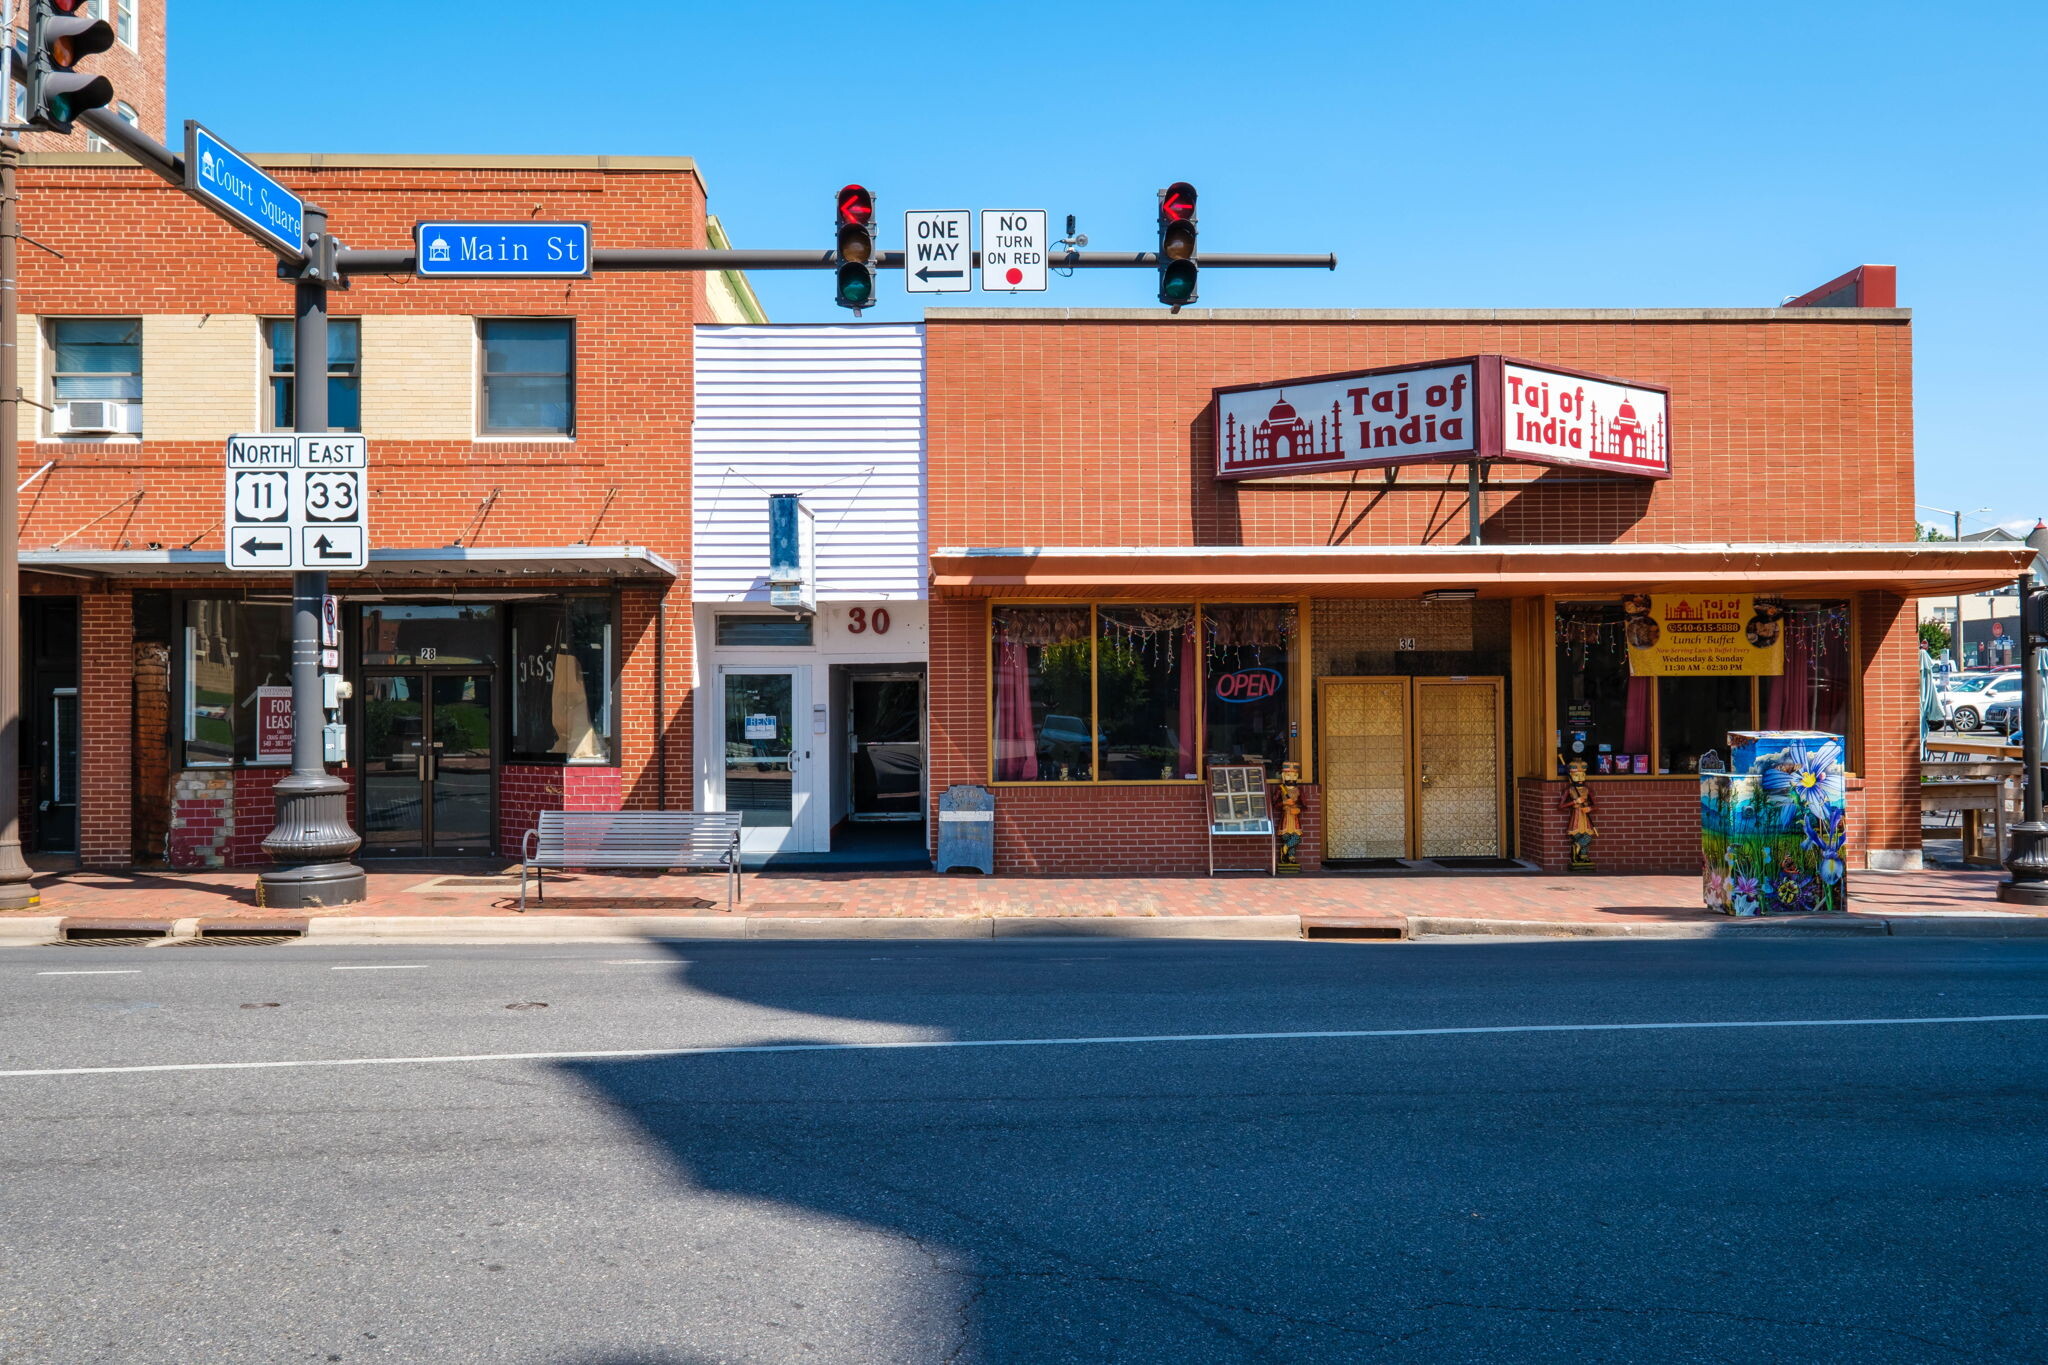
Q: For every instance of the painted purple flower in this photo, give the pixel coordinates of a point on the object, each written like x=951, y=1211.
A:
x=1824, y=835
x=1746, y=891
x=1816, y=781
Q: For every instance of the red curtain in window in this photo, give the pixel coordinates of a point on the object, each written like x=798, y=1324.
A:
x=1016, y=737
x=1635, y=720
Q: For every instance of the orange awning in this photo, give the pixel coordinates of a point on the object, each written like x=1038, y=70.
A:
x=1912, y=569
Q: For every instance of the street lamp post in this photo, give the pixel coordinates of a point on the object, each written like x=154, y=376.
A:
x=312, y=838
x=15, y=891
x=2027, y=862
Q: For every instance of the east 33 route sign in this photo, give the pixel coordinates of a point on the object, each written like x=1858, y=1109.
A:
x=297, y=502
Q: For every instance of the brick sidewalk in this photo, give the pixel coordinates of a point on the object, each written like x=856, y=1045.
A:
x=150, y=894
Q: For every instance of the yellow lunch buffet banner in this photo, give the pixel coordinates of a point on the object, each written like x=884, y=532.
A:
x=1704, y=634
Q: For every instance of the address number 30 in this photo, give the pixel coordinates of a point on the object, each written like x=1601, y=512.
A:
x=859, y=620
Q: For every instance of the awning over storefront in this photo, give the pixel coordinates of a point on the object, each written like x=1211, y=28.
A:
x=1912, y=569
x=436, y=562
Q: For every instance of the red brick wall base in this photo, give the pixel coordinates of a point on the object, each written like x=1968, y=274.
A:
x=524, y=792
x=1649, y=826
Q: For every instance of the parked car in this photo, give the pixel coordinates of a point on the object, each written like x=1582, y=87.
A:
x=2004, y=717
x=1968, y=704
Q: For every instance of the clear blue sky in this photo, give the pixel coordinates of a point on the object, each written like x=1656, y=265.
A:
x=1452, y=155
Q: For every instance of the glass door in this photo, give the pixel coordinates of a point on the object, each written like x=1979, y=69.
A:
x=887, y=729
x=766, y=760
x=427, y=764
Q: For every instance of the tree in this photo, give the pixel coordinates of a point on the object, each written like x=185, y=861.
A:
x=1934, y=634
x=1925, y=532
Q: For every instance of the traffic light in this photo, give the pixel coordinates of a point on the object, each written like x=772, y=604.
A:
x=854, y=280
x=2036, y=622
x=1177, y=264
x=61, y=34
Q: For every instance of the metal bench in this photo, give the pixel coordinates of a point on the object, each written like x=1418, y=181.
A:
x=665, y=839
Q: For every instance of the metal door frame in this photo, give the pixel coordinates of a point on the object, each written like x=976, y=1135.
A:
x=802, y=834
x=360, y=733
x=1412, y=805
x=855, y=674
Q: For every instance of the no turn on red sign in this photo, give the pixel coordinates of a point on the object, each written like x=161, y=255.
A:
x=1013, y=247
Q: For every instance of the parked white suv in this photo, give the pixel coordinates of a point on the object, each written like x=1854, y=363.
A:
x=1968, y=694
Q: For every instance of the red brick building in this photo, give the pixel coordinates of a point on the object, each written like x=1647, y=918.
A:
x=509, y=646
x=1110, y=618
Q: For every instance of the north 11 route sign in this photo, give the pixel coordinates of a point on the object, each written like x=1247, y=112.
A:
x=505, y=251
x=228, y=183
x=1013, y=243
x=937, y=252
x=297, y=502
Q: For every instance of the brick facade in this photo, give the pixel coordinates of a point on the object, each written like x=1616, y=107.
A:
x=1063, y=429
x=201, y=288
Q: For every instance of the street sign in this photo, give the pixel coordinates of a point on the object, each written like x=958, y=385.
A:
x=297, y=502
x=228, y=183
x=506, y=251
x=1013, y=244
x=937, y=252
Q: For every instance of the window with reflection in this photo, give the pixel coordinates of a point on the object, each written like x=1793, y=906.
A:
x=1147, y=692
x=1247, y=654
x=1813, y=691
x=561, y=680
x=1603, y=714
x=234, y=668
x=429, y=633
x=1043, y=710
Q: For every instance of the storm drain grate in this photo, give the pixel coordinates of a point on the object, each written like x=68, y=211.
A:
x=112, y=935
x=105, y=941
x=236, y=940
x=1352, y=931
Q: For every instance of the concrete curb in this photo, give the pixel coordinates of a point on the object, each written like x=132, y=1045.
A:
x=349, y=929
x=1806, y=926
x=22, y=931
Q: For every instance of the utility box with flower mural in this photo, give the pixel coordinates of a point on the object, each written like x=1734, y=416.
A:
x=1773, y=830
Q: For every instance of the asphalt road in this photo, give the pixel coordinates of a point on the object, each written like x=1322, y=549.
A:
x=1858, y=1192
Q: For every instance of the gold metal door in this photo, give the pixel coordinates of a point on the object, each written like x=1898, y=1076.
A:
x=1364, y=767
x=1459, y=798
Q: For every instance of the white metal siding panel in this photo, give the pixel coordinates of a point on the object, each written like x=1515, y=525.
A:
x=833, y=413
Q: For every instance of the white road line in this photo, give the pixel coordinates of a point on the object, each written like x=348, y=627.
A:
x=940, y=1043
x=384, y=967
x=98, y=971
x=642, y=961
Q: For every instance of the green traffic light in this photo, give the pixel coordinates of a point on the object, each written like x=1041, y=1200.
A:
x=856, y=287
x=1177, y=283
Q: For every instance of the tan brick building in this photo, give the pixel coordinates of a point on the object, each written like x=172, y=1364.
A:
x=529, y=507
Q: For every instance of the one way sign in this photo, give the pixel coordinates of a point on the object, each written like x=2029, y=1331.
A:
x=937, y=252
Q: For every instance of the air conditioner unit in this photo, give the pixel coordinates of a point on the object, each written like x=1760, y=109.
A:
x=84, y=415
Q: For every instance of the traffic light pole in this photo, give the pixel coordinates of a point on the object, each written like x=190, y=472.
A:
x=312, y=839
x=2027, y=864
x=405, y=262
x=15, y=891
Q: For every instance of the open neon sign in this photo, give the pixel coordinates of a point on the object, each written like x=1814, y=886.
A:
x=1247, y=684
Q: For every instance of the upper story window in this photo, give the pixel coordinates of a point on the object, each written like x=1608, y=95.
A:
x=124, y=29
x=96, y=359
x=344, y=373
x=126, y=113
x=529, y=376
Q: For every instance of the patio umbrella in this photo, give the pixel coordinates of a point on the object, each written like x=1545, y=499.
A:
x=1931, y=714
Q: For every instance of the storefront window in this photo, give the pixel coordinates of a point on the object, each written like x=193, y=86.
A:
x=1132, y=701
x=561, y=676
x=1813, y=692
x=1146, y=690
x=1042, y=702
x=1603, y=714
x=1246, y=658
x=234, y=675
x=430, y=633
x=1694, y=715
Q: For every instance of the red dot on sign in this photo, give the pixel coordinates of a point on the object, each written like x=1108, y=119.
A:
x=1013, y=275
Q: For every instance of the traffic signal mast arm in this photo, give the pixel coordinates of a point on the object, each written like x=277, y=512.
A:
x=169, y=165
x=402, y=262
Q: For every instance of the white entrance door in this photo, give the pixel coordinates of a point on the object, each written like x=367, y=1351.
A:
x=767, y=759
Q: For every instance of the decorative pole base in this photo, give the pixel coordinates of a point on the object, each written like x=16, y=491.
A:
x=2028, y=865
x=312, y=837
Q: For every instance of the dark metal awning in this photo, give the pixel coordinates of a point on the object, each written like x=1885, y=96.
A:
x=436, y=562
